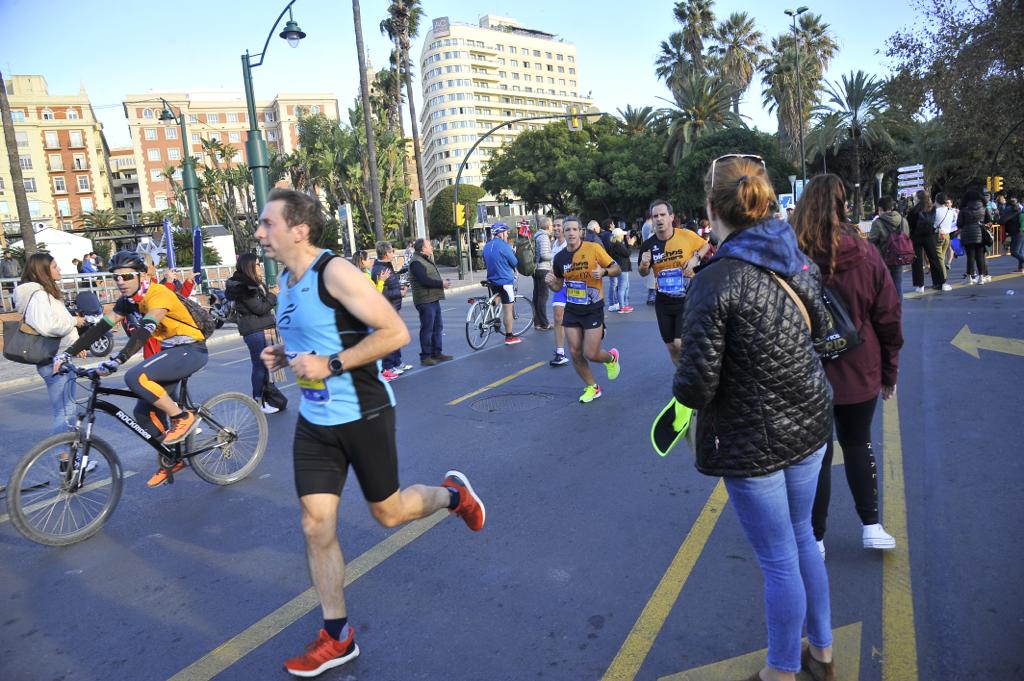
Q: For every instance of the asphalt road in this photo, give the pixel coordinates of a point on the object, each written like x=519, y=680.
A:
x=599, y=559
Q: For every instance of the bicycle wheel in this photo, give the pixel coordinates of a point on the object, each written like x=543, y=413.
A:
x=522, y=315
x=230, y=441
x=478, y=326
x=46, y=508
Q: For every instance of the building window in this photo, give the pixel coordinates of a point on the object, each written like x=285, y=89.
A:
x=572, y=71
x=170, y=133
x=269, y=117
x=63, y=207
x=536, y=53
x=215, y=137
x=72, y=114
x=232, y=118
x=78, y=161
x=30, y=184
x=56, y=162
x=559, y=57
x=161, y=202
x=1, y=186
x=147, y=113
x=68, y=225
x=512, y=50
x=195, y=138
x=25, y=162
x=18, y=116
x=47, y=115
x=314, y=109
x=153, y=154
x=173, y=154
x=155, y=175
x=192, y=118
x=561, y=69
x=35, y=208
x=22, y=137
x=271, y=135
x=149, y=133
x=83, y=183
x=59, y=186
x=52, y=142
x=76, y=138
x=234, y=137
x=213, y=118
x=572, y=59
x=86, y=205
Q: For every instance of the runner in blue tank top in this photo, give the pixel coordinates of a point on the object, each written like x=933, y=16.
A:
x=336, y=327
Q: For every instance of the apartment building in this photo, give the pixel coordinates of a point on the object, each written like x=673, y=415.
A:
x=124, y=182
x=220, y=116
x=62, y=153
x=474, y=77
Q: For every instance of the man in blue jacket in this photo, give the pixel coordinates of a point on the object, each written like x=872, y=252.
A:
x=501, y=272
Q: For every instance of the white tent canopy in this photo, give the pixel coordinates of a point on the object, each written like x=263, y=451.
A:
x=63, y=246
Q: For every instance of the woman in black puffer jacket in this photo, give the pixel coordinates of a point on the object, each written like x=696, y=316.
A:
x=972, y=219
x=749, y=366
x=254, y=309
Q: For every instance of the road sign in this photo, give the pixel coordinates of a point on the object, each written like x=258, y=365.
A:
x=798, y=187
x=785, y=201
x=907, y=180
x=909, y=191
x=910, y=169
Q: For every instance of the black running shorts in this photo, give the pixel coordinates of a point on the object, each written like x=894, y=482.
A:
x=324, y=453
x=584, y=316
x=669, y=312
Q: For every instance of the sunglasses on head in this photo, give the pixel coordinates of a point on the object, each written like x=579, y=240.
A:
x=125, y=276
x=714, y=164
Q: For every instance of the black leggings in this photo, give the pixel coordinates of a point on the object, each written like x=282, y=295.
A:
x=160, y=374
x=976, y=263
x=853, y=430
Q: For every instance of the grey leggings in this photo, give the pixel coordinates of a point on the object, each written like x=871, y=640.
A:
x=160, y=375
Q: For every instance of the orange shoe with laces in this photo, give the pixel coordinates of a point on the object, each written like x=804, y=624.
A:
x=160, y=477
x=470, y=508
x=322, y=654
x=181, y=427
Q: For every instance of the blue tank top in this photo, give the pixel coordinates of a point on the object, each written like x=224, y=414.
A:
x=310, y=320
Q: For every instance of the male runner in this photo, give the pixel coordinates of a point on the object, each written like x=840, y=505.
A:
x=153, y=311
x=580, y=268
x=558, y=300
x=672, y=254
x=335, y=328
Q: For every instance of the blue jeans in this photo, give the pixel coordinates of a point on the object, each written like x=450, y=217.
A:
x=61, y=390
x=431, y=328
x=1017, y=248
x=897, y=279
x=623, y=289
x=775, y=512
x=256, y=341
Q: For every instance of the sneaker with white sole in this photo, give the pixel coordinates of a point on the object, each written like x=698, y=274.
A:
x=971, y=280
x=947, y=287
x=269, y=409
x=875, y=537
x=821, y=548
x=405, y=367
x=919, y=289
x=986, y=279
x=559, y=360
x=322, y=654
x=613, y=308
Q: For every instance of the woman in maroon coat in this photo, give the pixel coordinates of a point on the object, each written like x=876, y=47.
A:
x=854, y=269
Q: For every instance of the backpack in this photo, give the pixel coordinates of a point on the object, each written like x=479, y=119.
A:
x=842, y=332
x=897, y=250
x=526, y=256
x=202, y=320
x=926, y=222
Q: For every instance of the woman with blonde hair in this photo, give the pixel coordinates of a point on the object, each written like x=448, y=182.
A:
x=748, y=363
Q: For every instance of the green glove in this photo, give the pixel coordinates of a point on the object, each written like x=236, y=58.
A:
x=671, y=425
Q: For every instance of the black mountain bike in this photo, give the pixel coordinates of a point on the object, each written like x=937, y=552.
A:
x=56, y=496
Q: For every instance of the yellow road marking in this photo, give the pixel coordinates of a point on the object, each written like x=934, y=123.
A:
x=500, y=381
x=88, y=488
x=972, y=342
x=638, y=643
x=899, y=640
x=237, y=647
x=932, y=292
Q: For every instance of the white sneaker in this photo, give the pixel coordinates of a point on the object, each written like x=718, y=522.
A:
x=875, y=537
x=986, y=279
x=613, y=308
x=972, y=280
x=405, y=367
x=919, y=289
x=397, y=370
x=268, y=409
x=821, y=548
x=947, y=287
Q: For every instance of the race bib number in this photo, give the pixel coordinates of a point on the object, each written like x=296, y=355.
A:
x=313, y=390
x=576, y=292
x=672, y=282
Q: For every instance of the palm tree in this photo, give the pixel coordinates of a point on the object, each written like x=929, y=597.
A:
x=860, y=115
x=404, y=24
x=637, y=121
x=28, y=236
x=704, y=105
x=101, y=218
x=698, y=20
x=673, y=62
x=740, y=49
x=364, y=96
x=816, y=39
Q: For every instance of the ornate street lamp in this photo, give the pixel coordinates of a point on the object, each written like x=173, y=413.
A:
x=188, y=167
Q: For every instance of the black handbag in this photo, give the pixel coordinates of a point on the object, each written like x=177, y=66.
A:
x=273, y=396
x=842, y=332
x=986, y=237
x=24, y=345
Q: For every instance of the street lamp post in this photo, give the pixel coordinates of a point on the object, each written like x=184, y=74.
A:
x=799, y=93
x=188, y=165
x=878, y=176
x=255, y=146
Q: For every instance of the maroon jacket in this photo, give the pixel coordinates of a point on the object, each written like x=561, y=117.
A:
x=865, y=284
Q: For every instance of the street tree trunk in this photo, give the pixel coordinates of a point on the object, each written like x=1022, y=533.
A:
x=415, y=134
x=364, y=92
x=856, y=175
x=17, y=179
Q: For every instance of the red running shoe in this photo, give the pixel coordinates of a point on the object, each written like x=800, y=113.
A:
x=322, y=654
x=389, y=375
x=470, y=508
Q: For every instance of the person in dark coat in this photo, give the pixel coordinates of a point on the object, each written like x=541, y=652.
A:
x=748, y=363
x=254, y=310
x=1011, y=222
x=921, y=220
x=971, y=221
x=384, y=270
x=855, y=271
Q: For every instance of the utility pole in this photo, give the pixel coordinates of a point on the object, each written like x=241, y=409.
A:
x=28, y=237
x=364, y=91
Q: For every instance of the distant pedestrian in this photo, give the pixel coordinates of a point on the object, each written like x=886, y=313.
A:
x=945, y=225
x=383, y=273
x=921, y=220
x=1011, y=222
x=620, y=288
x=10, y=268
x=544, y=256
x=427, y=293
x=889, y=222
x=856, y=272
x=254, y=310
x=971, y=222
x=558, y=300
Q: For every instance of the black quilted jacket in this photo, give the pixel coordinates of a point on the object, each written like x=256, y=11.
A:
x=748, y=363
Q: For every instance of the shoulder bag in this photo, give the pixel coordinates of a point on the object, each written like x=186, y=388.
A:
x=25, y=345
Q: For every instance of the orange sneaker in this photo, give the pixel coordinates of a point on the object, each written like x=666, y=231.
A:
x=470, y=508
x=181, y=427
x=322, y=654
x=160, y=477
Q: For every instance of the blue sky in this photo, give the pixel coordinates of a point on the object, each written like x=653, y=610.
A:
x=135, y=47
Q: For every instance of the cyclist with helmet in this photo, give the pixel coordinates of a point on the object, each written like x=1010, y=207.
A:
x=154, y=312
x=501, y=273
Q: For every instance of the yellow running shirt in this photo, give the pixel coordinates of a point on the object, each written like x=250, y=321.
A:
x=669, y=258
x=576, y=268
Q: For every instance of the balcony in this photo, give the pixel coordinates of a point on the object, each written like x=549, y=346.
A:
x=59, y=168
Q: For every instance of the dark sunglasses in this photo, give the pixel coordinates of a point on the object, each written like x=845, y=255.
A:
x=126, y=276
x=753, y=157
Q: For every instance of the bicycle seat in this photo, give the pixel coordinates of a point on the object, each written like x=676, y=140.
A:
x=486, y=283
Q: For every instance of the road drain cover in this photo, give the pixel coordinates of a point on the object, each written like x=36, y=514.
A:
x=511, y=403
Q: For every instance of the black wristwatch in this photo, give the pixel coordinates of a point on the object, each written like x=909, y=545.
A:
x=335, y=365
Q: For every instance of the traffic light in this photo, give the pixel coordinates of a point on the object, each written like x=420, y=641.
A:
x=988, y=184
x=460, y=214
x=574, y=119
x=997, y=184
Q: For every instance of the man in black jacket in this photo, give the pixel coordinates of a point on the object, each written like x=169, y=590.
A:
x=384, y=270
x=1010, y=220
x=427, y=294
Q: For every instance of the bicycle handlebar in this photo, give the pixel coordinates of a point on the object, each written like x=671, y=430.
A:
x=68, y=367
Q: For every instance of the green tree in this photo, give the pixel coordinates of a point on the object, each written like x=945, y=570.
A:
x=628, y=169
x=673, y=61
x=739, y=50
x=442, y=216
x=698, y=20
x=636, y=121
x=703, y=105
x=101, y=218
